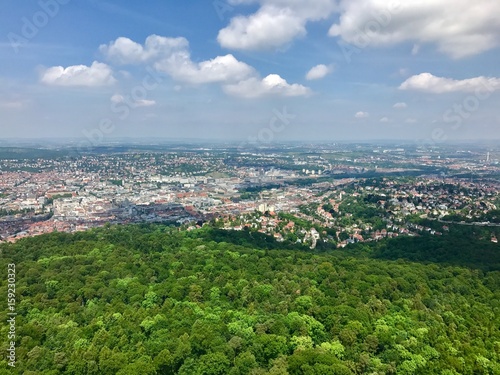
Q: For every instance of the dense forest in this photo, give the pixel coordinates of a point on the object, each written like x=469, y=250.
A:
x=150, y=299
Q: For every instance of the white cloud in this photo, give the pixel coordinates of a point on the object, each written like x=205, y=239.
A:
x=117, y=98
x=400, y=105
x=411, y=120
x=438, y=85
x=269, y=28
x=459, y=28
x=220, y=69
x=98, y=74
x=275, y=24
x=362, y=114
x=319, y=71
x=126, y=51
x=384, y=119
x=172, y=56
x=273, y=84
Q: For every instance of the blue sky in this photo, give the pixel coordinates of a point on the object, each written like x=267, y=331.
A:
x=266, y=70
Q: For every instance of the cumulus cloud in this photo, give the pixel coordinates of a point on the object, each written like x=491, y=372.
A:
x=362, y=114
x=126, y=51
x=172, y=56
x=220, y=69
x=458, y=28
x=427, y=82
x=267, y=29
x=275, y=24
x=117, y=99
x=98, y=74
x=273, y=84
x=411, y=120
x=400, y=105
x=318, y=72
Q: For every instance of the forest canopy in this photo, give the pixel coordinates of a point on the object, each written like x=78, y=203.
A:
x=150, y=299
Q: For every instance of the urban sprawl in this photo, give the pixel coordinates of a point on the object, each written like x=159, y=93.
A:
x=309, y=194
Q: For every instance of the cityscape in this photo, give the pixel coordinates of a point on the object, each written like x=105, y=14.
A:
x=193, y=185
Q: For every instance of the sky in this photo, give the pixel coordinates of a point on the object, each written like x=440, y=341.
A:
x=260, y=71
